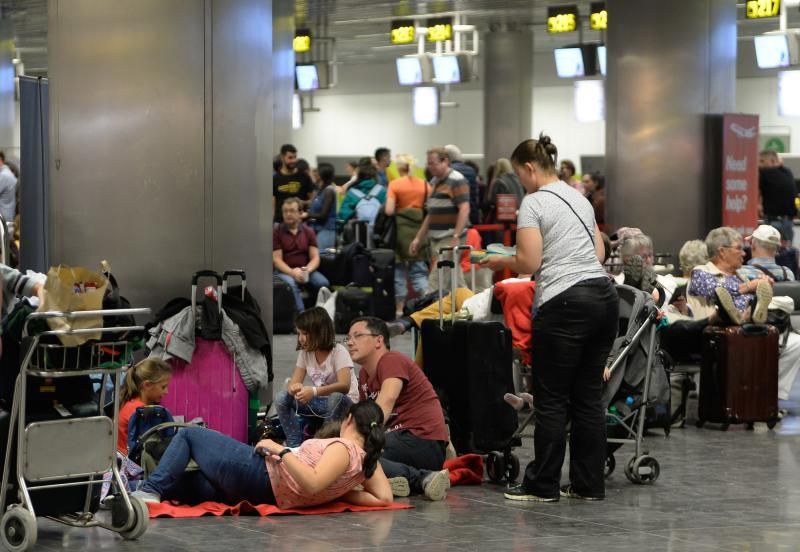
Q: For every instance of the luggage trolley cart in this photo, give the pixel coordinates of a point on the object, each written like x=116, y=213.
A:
x=55, y=455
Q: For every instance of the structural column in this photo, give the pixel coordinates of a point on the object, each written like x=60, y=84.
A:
x=669, y=64
x=507, y=92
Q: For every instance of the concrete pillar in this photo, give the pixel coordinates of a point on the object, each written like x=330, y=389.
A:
x=282, y=70
x=668, y=66
x=507, y=92
x=161, y=141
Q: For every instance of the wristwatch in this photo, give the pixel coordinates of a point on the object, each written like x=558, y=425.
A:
x=283, y=453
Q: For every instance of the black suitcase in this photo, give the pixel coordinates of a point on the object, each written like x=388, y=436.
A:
x=382, y=268
x=331, y=266
x=351, y=302
x=283, y=307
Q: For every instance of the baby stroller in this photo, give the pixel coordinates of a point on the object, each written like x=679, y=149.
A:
x=637, y=394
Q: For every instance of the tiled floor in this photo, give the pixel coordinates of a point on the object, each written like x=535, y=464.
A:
x=737, y=490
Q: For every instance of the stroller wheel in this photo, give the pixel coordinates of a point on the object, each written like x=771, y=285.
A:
x=495, y=467
x=19, y=529
x=512, y=467
x=645, y=470
x=772, y=422
x=629, y=469
x=610, y=466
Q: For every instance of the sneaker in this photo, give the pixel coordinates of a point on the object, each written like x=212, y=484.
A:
x=399, y=486
x=519, y=493
x=569, y=492
x=436, y=484
x=727, y=310
x=763, y=298
x=147, y=497
x=632, y=269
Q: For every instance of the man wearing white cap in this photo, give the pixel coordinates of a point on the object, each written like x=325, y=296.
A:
x=765, y=242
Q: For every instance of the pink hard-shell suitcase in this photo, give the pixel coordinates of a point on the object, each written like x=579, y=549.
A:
x=210, y=387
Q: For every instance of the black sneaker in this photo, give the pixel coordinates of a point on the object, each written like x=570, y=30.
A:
x=519, y=493
x=569, y=492
x=727, y=309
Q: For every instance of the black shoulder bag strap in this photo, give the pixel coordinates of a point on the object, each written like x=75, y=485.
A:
x=588, y=232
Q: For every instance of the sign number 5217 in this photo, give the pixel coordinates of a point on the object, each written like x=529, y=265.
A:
x=757, y=9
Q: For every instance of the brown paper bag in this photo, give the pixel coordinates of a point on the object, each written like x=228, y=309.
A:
x=69, y=289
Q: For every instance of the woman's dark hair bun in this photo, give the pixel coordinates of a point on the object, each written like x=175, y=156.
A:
x=368, y=417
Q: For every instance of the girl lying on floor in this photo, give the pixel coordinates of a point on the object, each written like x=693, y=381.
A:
x=319, y=471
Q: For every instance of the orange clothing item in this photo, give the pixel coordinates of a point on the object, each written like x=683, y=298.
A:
x=409, y=191
x=125, y=412
x=517, y=301
x=473, y=239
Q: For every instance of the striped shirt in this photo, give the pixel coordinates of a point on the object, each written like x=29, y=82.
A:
x=443, y=203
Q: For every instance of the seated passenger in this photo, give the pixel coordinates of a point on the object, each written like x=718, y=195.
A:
x=295, y=255
x=765, y=242
x=327, y=363
x=365, y=198
x=416, y=435
x=717, y=282
x=146, y=383
x=16, y=284
x=320, y=471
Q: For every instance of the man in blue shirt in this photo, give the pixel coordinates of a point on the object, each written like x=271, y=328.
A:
x=765, y=242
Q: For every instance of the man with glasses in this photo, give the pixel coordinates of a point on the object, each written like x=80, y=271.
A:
x=416, y=435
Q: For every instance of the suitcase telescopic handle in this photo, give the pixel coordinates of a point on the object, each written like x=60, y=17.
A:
x=206, y=274
x=234, y=272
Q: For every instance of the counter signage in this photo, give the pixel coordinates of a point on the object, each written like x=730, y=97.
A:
x=506, y=208
x=740, y=172
x=302, y=41
x=562, y=19
x=403, y=31
x=440, y=29
x=598, y=17
x=756, y=9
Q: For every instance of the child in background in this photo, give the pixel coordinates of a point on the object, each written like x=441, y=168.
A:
x=145, y=384
x=329, y=366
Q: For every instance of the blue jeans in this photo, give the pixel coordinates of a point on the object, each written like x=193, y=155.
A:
x=229, y=472
x=315, y=281
x=417, y=272
x=409, y=456
x=292, y=414
x=326, y=239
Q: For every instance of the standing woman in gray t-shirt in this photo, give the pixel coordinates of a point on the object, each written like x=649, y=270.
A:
x=574, y=325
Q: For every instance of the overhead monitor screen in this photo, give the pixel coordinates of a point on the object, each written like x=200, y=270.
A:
x=569, y=62
x=772, y=51
x=426, y=105
x=307, y=77
x=601, y=59
x=409, y=70
x=446, y=70
x=590, y=101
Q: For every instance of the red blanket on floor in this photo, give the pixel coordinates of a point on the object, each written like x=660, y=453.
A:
x=170, y=510
x=465, y=470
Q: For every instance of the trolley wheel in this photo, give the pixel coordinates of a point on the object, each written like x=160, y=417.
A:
x=610, y=466
x=750, y=426
x=495, y=467
x=18, y=529
x=141, y=516
x=512, y=467
x=772, y=422
x=699, y=423
x=646, y=470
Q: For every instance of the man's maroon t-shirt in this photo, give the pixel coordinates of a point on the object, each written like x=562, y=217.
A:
x=417, y=409
x=294, y=246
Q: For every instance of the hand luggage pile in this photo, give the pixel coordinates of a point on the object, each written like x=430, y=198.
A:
x=220, y=353
x=470, y=364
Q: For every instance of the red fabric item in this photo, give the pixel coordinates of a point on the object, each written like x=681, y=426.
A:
x=465, y=470
x=171, y=510
x=517, y=301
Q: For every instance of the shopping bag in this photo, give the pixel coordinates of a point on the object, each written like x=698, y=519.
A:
x=69, y=289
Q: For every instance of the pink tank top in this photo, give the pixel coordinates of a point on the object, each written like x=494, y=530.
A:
x=289, y=494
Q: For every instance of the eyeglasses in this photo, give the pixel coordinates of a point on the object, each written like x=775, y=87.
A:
x=348, y=338
x=739, y=247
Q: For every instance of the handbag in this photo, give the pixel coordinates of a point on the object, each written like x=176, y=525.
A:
x=70, y=289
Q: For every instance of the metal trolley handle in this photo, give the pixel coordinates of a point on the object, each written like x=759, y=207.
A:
x=77, y=315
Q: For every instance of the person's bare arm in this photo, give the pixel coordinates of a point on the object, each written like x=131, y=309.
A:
x=377, y=491
x=280, y=264
x=389, y=208
x=599, y=247
x=421, y=233
x=390, y=390
x=313, y=258
x=461, y=221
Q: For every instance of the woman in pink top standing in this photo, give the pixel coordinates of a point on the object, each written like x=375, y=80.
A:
x=319, y=471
